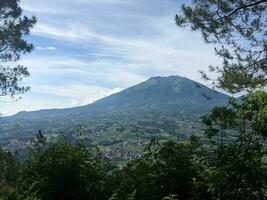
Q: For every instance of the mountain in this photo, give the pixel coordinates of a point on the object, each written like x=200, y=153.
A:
x=162, y=106
x=157, y=91
x=163, y=90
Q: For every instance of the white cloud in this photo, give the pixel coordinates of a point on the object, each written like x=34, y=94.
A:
x=71, y=95
x=29, y=103
x=67, y=31
x=72, y=91
x=108, y=72
x=65, y=7
x=51, y=48
x=45, y=48
x=170, y=52
x=103, y=46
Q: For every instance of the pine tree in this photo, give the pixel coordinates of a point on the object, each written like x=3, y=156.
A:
x=13, y=27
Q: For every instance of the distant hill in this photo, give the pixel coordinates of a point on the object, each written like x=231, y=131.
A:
x=160, y=105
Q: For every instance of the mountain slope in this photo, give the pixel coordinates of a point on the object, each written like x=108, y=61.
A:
x=151, y=103
x=172, y=90
x=163, y=90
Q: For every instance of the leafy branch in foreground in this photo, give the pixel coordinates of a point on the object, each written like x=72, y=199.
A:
x=239, y=27
x=235, y=166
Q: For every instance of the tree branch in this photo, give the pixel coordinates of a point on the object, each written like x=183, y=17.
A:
x=246, y=6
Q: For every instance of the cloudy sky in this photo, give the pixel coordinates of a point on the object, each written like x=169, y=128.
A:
x=88, y=49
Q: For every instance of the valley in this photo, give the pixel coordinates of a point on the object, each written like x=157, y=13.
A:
x=166, y=108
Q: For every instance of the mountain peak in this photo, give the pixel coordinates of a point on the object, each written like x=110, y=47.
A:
x=168, y=78
x=156, y=92
x=163, y=90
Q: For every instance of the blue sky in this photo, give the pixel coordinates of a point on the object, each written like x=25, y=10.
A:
x=88, y=49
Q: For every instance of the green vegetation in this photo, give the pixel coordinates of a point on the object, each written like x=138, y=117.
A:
x=228, y=161
x=239, y=27
x=168, y=108
x=212, y=167
x=63, y=171
x=14, y=26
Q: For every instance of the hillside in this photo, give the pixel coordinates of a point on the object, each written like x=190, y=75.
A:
x=172, y=90
x=166, y=107
x=162, y=90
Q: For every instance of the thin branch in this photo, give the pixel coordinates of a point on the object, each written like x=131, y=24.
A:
x=246, y=6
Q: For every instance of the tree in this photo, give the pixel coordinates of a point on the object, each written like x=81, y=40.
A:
x=9, y=173
x=8, y=168
x=38, y=143
x=63, y=171
x=164, y=170
x=235, y=167
x=239, y=26
x=13, y=27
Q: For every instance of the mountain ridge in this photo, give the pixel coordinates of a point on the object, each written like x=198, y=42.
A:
x=152, y=84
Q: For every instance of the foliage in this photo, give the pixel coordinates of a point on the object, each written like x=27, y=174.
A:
x=163, y=170
x=235, y=168
x=171, y=197
x=38, y=143
x=9, y=175
x=14, y=26
x=240, y=27
x=63, y=171
x=216, y=167
x=8, y=168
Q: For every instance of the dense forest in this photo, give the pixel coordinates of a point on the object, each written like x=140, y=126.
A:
x=209, y=166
